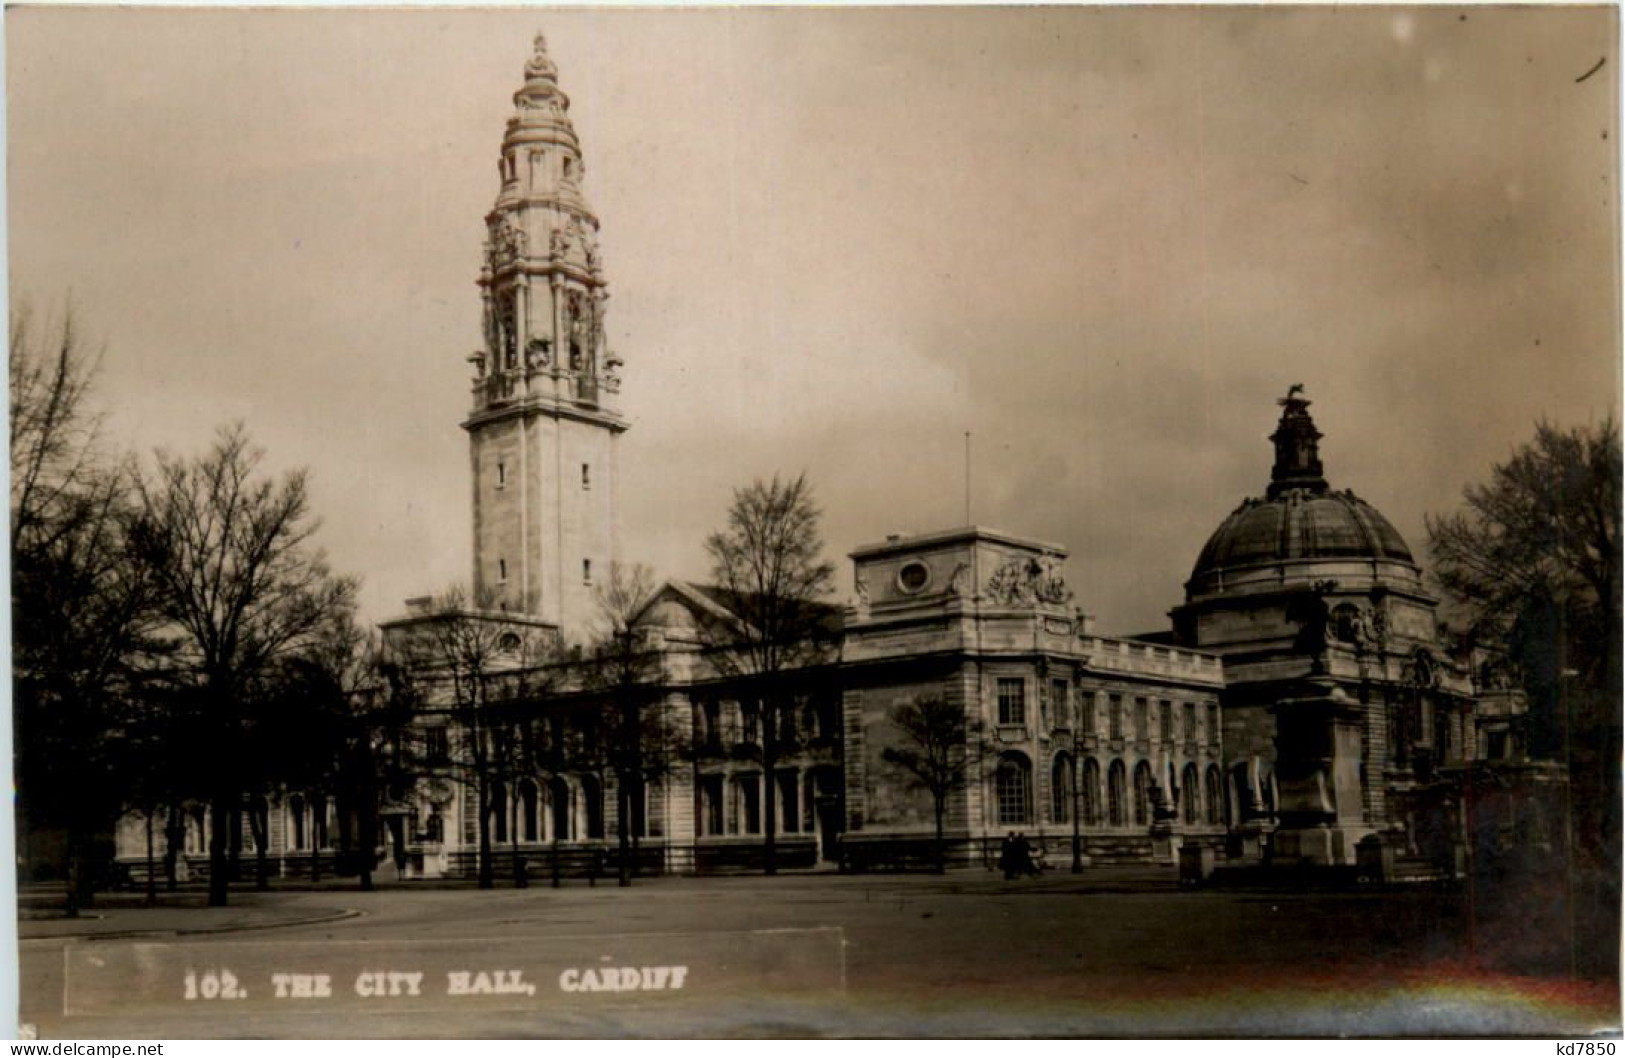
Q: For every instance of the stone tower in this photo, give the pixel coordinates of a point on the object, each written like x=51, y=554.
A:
x=544, y=426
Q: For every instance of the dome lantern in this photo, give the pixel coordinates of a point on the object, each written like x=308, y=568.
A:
x=1297, y=447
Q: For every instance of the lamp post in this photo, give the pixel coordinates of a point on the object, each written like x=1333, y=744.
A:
x=1077, y=845
x=1565, y=705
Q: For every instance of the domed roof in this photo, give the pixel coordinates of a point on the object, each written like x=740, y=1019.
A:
x=1298, y=524
x=1300, y=519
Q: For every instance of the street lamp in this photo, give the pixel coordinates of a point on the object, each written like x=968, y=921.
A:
x=1565, y=705
x=1077, y=846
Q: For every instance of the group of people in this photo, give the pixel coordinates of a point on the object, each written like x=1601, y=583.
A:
x=1016, y=857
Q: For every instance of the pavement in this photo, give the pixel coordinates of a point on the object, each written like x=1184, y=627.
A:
x=120, y=916
x=1110, y=952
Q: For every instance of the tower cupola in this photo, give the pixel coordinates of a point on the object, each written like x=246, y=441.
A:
x=544, y=423
x=1297, y=448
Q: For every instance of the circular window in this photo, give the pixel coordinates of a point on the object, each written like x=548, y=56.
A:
x=913, y=577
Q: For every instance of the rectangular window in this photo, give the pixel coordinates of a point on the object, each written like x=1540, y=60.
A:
x=586, y=570
x=1060, y=703
x=1190, y=722
x=586, y=476
x=1086, y=703
x=436, y=746
x=1142, y=719
x=1012, y=700
x=1212, y=723
x=502, y=569
x=1115, y=716
x=502, y=475
x=1165, y=721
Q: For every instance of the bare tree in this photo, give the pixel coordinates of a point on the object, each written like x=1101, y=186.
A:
x=640, y=743
x=482, y=666
x=768, y=562
x=82, y=606
x=338, y=726
x=941, y=754
x=240, y=588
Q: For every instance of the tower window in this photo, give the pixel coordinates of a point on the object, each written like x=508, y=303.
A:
x=586, y=570
x=586, y=475
x=502, y=569
x=502, y=475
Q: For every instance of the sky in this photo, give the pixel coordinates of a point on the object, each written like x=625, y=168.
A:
x=1101, y=241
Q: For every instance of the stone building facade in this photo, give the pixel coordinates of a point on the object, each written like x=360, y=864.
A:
x=1302, y=707
x=1113, y=741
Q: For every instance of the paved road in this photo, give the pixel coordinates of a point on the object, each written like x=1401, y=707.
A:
x=1105, y=954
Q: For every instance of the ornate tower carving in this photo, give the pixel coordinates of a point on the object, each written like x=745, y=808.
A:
x=543, y=428
x=1297, y=448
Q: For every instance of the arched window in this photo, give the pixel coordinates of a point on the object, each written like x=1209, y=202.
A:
x=592, y=792
x=654, y=809
x=1060, y=789
x=1091, y=793
x=1345, y=623
x=296, y=817
x=1242, y=787
x=529, y=821
x=747, y=804
x=558, y=796
x=434, y=828
x=1013, y=790
x=1191, y=782
x=1142, y=794
x=1215, y=793
x=499, y=812
x=1116, y=801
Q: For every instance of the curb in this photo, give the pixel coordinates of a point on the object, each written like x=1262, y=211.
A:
x=130, y=934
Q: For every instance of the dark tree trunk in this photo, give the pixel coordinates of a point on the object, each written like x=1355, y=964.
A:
x=259, y=824
x=174, y=844
x=219, y=851
x=367, y=834
x=770, y=795
x=941, y=849
x=623, y=804
x=487, y=872
x=73, y=870
x=152, y=866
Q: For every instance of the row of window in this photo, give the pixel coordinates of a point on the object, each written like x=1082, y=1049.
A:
x=557, y=811
x=732, y=805
x=1197, y=799
x=727, y=722
x=576, y=737
x=502, y=475
x=1011, y=692
x=502, y=571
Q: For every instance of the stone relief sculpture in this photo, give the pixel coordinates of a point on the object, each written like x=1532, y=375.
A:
x=1027, y=581
x=861, y=586
x=508, y=242
x=957, y=579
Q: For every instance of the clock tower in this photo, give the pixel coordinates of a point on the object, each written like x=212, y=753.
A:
x=544, y=425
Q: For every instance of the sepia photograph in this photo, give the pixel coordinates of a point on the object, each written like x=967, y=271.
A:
x=815, y=522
